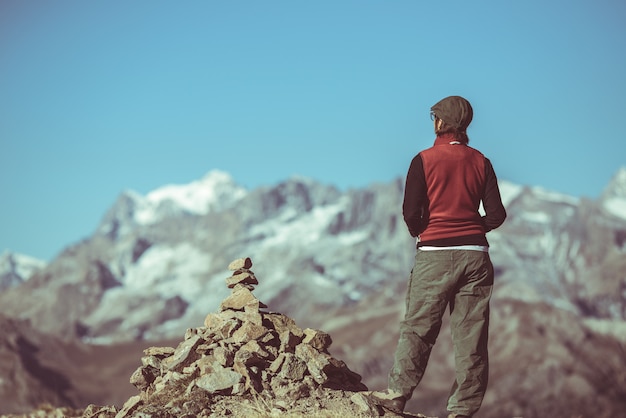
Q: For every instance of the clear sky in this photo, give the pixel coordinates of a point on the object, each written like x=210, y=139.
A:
x=101, y=96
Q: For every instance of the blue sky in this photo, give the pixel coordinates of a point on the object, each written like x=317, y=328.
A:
x=101, y=96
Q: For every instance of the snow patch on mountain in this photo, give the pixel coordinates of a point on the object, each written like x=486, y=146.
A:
x=536, y=217
x=16, y=268
x=214, y=191
x=291, y=225
x=164, y=282
x=161, y=263
x=555, y=197
x=616, y=329
x=509, y=191
x=617, y=186
x=614, y=196
x=616, y=207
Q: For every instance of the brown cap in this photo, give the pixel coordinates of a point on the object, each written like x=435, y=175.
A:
x=454, y=111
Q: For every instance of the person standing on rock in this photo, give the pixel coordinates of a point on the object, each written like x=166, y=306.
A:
x=445, y=186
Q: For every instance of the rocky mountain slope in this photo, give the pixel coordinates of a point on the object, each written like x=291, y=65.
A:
x=153, y=266
x=332, y=259
x=37, y=368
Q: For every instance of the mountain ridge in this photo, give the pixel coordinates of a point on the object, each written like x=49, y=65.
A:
x=333, y=258
x=300, y=220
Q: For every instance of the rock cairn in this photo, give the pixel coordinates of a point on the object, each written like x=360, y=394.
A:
x=241, y=351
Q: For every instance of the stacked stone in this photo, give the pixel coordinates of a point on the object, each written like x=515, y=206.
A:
x=242, y=350
x=242, y=281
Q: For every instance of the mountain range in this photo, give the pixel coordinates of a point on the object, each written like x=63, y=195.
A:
x=338, y=260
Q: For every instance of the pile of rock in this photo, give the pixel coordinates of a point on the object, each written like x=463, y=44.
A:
x=242, y=351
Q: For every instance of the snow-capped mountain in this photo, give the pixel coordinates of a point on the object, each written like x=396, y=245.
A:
x=565, y=251
x=613, y=199
x=156, y=263
x=16, y=268
x=212, y=193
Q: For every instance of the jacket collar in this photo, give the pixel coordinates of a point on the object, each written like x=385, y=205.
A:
x=446, y=139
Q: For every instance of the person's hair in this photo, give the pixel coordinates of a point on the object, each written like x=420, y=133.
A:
x=459, y=135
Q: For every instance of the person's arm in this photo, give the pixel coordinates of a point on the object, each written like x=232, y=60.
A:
x=414, y=207
x=495, y=214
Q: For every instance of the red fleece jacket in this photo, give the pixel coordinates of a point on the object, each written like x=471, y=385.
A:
x=444, y=187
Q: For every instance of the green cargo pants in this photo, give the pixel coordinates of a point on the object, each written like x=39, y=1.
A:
x=464, y=280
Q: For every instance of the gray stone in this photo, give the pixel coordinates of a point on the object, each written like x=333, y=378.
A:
x=205, y=348
x=289, y=341
x=365, y=405
x=255, y=306
x=277, y=364
x=282, y=323
x=191, y=370
x=95, y=411
x=240, y=263
x=158, y=384
x=205, y=364
x=244, y=277
x=240, y=298
x=152, y=361
x=248, y=316
x=281, y=405
x=220, y=380
x=144, y=376
x=316, y=362
x=252, y=377
x=292, y=368
x=138, y=379
x=160, y=352
x=270, y=339
x=251, y=354
x=129, y=407
x=248, y=331
x=214, y=320
x=222, y=325
x=173, y=379
x=318, y=339
x=292, y=391
x=190, y=332
x=184, y=355
x=224, y=356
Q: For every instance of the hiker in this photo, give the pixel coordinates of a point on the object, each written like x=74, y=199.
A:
x=445, y=186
